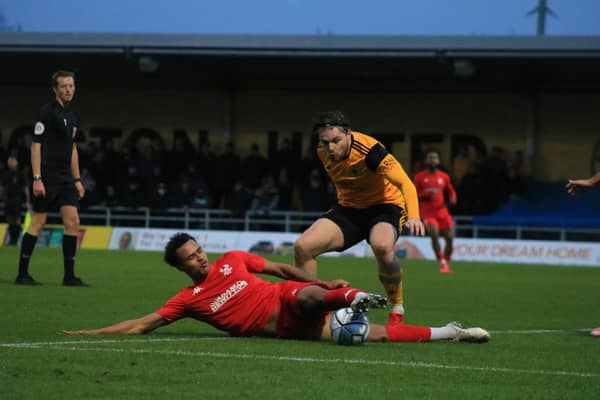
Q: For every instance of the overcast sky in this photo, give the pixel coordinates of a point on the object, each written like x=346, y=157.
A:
x=338, y=17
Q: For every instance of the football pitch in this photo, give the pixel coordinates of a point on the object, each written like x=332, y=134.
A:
x=538, y=317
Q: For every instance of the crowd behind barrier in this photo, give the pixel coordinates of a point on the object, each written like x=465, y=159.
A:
x=189, y=176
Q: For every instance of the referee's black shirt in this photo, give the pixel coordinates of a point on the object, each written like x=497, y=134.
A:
x=55, y=129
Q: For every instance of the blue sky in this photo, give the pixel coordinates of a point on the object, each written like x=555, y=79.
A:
x=338, y=17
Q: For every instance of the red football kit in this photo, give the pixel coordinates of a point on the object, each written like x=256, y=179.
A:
x=231, y=298
x=431, y=188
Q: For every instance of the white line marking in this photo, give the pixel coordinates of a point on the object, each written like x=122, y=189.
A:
x=40, y=344
x=415, y=364
x=534, y=331
x=100, y=341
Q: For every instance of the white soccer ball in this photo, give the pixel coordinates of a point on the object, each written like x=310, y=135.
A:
x=349, y=328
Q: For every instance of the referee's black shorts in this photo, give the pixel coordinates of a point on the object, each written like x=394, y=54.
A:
x=56, y=196
x=356, y=223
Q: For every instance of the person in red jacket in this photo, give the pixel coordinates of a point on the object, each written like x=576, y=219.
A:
x=433, y=185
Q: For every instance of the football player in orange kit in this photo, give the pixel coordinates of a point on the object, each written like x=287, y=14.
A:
x=375, y=200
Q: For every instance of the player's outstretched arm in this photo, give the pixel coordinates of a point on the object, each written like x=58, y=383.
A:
x=130, y=327
x=576, y=186
x=289, y=272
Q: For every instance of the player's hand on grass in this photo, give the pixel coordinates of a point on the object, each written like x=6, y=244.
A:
x=81, y=332
x=415, y=227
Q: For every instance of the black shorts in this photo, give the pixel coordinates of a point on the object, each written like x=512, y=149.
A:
x=356, y=223
x=56, y=197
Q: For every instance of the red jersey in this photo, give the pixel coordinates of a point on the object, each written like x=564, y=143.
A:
x=431, y=188
x=231, y=298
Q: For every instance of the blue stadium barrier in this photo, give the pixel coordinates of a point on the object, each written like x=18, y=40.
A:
x=547, y=204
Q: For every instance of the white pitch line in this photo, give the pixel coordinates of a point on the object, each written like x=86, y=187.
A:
x=40, y=344
x=324, y=360
x=36, y=344
x=534, y=331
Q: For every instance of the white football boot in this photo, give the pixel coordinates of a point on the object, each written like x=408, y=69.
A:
x=474, y=335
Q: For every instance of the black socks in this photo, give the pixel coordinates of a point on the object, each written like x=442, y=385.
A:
x=27, y=246
x=69, y=245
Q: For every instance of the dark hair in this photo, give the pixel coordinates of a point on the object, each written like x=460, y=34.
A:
x=431, y=150
x=174, y=243
x=61, y=74
x=330, y=119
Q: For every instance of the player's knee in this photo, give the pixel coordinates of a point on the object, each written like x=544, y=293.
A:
x=302, y=250
x=382, y=250
x=71, y=223
x=37, y=223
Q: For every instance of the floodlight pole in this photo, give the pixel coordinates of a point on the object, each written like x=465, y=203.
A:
x=542, y=10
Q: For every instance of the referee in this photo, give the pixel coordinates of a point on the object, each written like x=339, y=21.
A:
x=56, y=180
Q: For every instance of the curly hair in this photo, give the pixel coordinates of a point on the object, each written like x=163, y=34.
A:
x=174, y=243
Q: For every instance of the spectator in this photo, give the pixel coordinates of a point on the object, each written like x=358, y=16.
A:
x=178, y=159
x=182, y=195
x=204, y=166
x=133, y=196
x=285, y=189
x=91, y=194
x=461, y=163
x=202, y=198
x=16, y=195
x=266, y=197
x=238, y=200
x=284, y=158
x=110, y=198
x=160, y=198
x=227, y=169
x=314, y=195
x=254, y=167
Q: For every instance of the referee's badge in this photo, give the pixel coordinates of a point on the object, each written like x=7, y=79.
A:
x=39, y=128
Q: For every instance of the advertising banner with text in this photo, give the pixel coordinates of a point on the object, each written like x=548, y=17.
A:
x=488, y=250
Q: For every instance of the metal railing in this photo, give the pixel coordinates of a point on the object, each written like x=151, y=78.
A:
x=294, y=221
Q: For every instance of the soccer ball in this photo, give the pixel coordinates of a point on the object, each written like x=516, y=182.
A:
x=348, y=327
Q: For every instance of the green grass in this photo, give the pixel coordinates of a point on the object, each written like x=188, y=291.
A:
x=190, y=360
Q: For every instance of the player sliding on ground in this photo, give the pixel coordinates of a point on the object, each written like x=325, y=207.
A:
x=227, y=295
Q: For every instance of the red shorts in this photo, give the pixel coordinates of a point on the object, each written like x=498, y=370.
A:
x=293, y=322
x=440, y=218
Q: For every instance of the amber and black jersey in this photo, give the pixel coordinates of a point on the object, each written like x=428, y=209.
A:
x=369, y=176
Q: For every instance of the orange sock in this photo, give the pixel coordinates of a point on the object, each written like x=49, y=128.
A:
x=408, y=333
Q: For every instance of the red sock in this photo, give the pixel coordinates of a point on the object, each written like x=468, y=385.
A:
x=439, y=255
x=408, y=333
x=448, y=257
x=338, y=298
